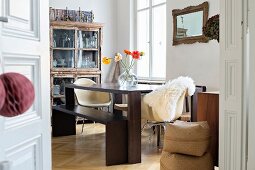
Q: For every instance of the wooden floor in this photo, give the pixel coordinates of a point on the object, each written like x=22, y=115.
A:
x=87, y=151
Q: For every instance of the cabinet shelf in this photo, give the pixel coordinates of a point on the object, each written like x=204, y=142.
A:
x=84, y=49
x=62, y=48
x=63, y=70
x=88, y=49
x=58, y=96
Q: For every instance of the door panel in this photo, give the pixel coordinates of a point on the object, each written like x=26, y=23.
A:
x=25, y=155
x=23, y=18
x=25, y=140
x=29, y=66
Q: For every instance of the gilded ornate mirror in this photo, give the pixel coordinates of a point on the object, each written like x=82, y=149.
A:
x=188, y=24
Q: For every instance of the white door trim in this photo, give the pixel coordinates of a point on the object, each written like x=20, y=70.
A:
x=251, y=77
x=232, y=117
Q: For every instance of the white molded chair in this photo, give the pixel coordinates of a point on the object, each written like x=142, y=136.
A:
x=149, y=114
x=155, y=119
x=158, y=120
x=89, y=98
x=165, y=104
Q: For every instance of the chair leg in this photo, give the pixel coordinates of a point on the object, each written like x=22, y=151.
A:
x=154, y=130
x=76, y=120
x=145, y=124
x=160, y=131
x=164, y=127
x=82, y=126
x=158, y=135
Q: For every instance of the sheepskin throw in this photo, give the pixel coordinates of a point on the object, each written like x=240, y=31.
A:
x=163, y=100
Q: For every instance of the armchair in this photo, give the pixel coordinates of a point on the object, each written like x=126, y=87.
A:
x=165, y=104
x=89, y=98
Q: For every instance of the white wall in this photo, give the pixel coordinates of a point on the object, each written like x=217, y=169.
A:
x=125, y=25
x=200, y=61
x=105, y=12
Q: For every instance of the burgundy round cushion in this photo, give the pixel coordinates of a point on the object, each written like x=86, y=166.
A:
x=19, y=94
x=2, y=94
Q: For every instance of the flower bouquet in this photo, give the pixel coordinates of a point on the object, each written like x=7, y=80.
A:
x=127, y=78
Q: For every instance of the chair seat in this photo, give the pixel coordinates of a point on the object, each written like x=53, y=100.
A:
x=186, y=116
x=95, y=104
x=123, y=107
x=91, y=98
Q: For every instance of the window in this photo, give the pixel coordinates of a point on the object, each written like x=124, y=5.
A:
x=151, y=38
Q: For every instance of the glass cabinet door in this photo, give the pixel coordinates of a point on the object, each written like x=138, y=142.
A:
x=88, y=39
x=63, y=58
x=63, y=48
x=58, y=88
x=59, y=85
x=63, y=38
x=87, y=59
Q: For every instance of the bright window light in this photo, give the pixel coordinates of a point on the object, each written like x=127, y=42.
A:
x=151, y=38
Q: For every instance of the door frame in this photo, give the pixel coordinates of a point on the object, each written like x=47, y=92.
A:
x=234, y=85
x=242, y=153
x=250, y=14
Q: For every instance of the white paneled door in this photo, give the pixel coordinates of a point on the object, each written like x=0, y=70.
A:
x=25, y=141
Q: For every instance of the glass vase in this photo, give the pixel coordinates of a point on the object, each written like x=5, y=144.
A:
x=127, y=79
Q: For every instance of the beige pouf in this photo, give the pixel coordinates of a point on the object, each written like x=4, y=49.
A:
x=186, y=147
x=170, y=161
x=187, y=138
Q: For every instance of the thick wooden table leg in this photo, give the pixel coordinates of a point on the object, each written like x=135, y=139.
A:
x=134, y=127
x=63, y=124
x=116, y=142
x=70, y=97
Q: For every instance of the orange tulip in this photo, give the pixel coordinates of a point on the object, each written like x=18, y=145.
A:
x=127, y=52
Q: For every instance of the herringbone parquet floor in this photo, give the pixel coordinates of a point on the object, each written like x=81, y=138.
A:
x=87, y=151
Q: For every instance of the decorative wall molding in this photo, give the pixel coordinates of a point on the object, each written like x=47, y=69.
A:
x=230, y=79
x=29, y=65
x=232, y=116
x=26, y=27
x=230, y=24
x=26, y=154
x=230, y=144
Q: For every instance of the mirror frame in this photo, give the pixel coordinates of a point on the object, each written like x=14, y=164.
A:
x=191, y=9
